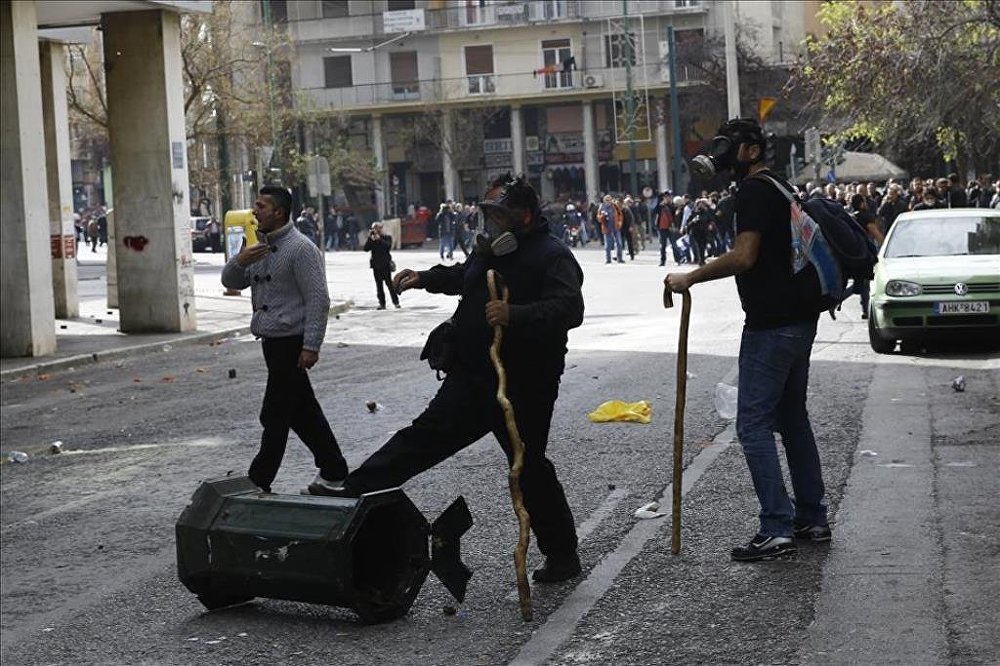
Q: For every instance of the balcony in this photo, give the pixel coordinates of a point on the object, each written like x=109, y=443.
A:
x=518, y=86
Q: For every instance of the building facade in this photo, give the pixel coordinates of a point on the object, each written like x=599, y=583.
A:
x=445, y=94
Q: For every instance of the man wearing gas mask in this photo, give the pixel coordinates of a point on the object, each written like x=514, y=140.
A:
x=545, y=301
x=777, y=339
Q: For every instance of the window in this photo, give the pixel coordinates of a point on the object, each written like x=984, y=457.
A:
x=558, y=63
x=335, y=9
x=403, y=73
x=479, y=69
x=617, y=48
x=277, y=9
x=686, y=3
x=337, y=72
x=398, y=5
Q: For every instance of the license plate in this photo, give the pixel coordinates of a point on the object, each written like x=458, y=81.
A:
x=970, y=307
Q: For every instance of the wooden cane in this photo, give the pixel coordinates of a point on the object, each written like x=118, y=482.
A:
x=682, y=362
x=517, y=445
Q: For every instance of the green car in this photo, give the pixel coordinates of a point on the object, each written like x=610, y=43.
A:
x=938, y=276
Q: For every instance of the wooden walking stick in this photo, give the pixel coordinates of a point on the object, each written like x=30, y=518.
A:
x=500, y=292
x=682, y=363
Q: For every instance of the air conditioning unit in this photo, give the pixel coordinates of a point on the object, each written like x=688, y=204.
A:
x=593, y=81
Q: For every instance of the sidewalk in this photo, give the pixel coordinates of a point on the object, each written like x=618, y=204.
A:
x=94, y=336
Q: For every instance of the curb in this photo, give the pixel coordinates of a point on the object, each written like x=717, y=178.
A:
x=134, y=350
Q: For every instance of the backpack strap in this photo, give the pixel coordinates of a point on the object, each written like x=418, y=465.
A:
x=781, y=188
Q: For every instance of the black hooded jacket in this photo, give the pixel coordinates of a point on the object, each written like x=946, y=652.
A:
x=545, y=283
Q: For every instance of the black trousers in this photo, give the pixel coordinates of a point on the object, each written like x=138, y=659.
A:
x=290, y=404
x=384, y=277
x=463, y=411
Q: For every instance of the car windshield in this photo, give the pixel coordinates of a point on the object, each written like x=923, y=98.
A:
x=944, y=236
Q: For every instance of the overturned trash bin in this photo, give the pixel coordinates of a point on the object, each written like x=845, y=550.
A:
x=369, y=554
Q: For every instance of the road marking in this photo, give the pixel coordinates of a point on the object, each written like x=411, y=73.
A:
x=560, y=625
x=603, y=510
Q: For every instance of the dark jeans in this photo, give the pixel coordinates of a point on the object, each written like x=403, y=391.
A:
x=667, y=238
x=863, y=289
x=463, y=411
x=774, y=376
x=290, y=404
x=384, y=277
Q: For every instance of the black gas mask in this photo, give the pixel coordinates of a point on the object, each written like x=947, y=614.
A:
x=722, y=152
x=498, y=236
x=502, y=216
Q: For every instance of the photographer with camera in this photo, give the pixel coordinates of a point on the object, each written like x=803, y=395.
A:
x=777, y=340
x=382, y=265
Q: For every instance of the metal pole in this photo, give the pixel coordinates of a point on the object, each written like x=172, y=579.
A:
x=276, y=155
x=732, y=67
x=629, y=104
x=675, y=114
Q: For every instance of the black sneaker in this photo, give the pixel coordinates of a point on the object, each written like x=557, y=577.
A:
x=763, y=548
x=812, y=532
x=557, y=570
x=321, y=486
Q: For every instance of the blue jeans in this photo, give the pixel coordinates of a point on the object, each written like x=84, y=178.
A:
x=447, y=245
x=774, y=375
x=613, y=238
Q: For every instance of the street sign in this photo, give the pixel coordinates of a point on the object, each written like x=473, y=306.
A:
x=813, y=148
x=318, y=179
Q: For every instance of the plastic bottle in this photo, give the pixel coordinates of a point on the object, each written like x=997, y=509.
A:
x=725, y=400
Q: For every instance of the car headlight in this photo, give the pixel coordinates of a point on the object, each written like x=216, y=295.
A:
x=902, y=288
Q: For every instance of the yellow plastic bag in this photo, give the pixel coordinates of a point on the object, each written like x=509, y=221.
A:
x=616, y=410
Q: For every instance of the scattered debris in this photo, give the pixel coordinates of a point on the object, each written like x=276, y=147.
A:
x=373, y=406
x=98, y=321
x=167, y=347
x=617, y=410
x=43, y=378
x=232, y=373
x=63, y=326
x=648, y=512
x=449, y=610
x=168, y=378
x=137, y=381
x=867, y=453
x=242, y=634
x=691, y=375
x=958, y=384
x=17, y=457
x=611, y=486
x=725, y=400
x=341, y=344
x=200, y=370
x=56, y=447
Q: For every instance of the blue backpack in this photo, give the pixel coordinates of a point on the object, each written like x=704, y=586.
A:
x=832, y=242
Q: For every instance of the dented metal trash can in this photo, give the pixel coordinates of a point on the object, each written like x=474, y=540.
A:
x=369, y=554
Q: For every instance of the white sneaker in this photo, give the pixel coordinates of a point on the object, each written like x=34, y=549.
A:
x=321, y=486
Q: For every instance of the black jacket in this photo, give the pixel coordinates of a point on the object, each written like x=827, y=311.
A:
x=545, y=283
x=381, y=257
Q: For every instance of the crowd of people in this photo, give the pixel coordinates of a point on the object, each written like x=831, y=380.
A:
x=91, y=226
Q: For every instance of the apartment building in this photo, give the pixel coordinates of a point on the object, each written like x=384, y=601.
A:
x=539, y=87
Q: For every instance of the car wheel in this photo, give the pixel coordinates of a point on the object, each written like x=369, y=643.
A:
x=880, y=345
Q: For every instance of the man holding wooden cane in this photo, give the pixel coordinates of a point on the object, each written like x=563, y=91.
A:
x=544, y=283
x=774, y=352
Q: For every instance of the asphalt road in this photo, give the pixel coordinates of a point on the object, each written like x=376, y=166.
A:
x=88, y=563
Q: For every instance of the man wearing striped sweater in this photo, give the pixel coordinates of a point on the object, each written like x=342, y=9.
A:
x=291, y=306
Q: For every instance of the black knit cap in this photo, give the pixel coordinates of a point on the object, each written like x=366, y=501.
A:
x=511, y=194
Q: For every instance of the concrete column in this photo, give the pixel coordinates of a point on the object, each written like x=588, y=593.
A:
x=447, y=142
x=517, y=139
x=662, y=163
x=55, y=119
x=590, y=152
x=378, y=148
x=145, y=91
x=27, y=309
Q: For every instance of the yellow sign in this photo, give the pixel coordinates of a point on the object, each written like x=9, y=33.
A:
x=764, y=107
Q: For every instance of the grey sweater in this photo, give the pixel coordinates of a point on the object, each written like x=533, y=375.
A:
x=287, y=288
